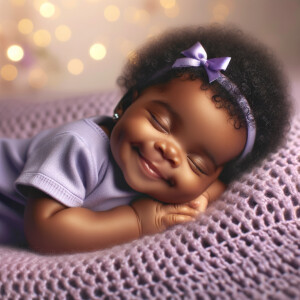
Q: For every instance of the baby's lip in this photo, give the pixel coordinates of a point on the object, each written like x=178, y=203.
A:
x=149, y=164
x=154, y=168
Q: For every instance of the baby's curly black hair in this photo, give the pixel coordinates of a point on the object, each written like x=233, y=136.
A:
x=253, y=69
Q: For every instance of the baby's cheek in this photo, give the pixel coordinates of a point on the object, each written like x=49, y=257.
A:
x=190, y=187
x=137, y=126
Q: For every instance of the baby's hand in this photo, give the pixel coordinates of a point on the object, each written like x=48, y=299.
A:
x=213, y=192
x=154, y=217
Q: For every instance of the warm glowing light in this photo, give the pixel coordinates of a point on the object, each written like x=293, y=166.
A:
x=18, y=2
x=47, y=10
x=172, y=12
x=9, y=72
x=37, y=4
x=15, y=53
x=25, y=26
x=37, y=78
x=93, y=1
x=111, y=13
x=97, y=51
x=134, y=15
x=220, y=12
x=63, y=33
x=42, y=38
x=167, y=3
x=75, y=66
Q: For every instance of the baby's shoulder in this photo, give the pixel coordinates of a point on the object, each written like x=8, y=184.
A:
x=81, y=134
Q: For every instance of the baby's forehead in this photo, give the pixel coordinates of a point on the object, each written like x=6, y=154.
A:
x=185, y=88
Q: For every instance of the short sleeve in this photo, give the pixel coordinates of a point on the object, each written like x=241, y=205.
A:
x=62, y=167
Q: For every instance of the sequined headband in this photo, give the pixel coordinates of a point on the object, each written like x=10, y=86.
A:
x=195, y=57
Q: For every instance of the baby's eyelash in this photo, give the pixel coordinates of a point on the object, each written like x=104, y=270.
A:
x=195, y=166
x=161, y=126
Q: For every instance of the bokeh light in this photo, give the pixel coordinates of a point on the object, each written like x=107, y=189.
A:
x=9, y=72
x=220, y=12
x=17, y=2
x=15, y=53
x=111, y=13
x=42, y=38
x=75, y=66
x=167, y=3
x=63, y=33
x=37, y=4
x=172, y=12
x=25, y=26
x=97, y=51
x=134, y=15
x=47, y=9
x=37, y=78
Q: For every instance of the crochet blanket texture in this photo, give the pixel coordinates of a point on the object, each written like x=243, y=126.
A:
x=246, y=245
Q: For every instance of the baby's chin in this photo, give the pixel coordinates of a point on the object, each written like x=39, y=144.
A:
x=169, y=196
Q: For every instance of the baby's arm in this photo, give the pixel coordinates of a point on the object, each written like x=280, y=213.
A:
x=51, y=227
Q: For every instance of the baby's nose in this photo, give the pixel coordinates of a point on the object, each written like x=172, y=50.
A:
x=170, y=152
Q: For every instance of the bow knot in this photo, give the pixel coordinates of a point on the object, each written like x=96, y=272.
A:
x=196, y=56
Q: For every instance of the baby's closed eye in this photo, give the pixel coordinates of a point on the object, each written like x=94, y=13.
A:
x=197, y=165
x=160, y=123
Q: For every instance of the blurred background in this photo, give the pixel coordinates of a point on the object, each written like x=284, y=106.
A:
x=55, y=48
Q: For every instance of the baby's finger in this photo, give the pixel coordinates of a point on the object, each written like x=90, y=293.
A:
x=200, y=204
x=181, y=209
x=173, y=219
x=194, y=203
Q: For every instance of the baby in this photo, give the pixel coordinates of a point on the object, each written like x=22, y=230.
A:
x=201, y=106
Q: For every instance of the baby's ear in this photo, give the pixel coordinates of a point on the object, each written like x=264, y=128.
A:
x=119, y=109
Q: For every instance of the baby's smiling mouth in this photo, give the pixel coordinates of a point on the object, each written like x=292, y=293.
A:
x=151, y=169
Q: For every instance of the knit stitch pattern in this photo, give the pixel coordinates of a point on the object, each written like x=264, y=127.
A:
x=245, y=246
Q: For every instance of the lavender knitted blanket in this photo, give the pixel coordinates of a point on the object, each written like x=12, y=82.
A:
x=246, y=246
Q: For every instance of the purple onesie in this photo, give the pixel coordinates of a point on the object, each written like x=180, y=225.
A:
x=72, y=163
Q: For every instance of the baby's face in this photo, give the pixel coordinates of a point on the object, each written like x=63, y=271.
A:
x=173, y=142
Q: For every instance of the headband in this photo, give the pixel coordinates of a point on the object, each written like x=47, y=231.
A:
x=195, y=57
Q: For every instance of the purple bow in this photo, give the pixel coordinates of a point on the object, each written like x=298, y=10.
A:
x=196, y=56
